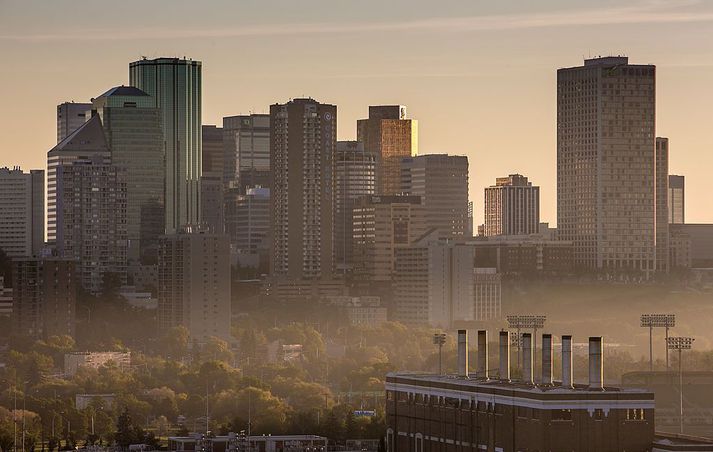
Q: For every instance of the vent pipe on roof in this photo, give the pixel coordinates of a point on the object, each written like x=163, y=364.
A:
x=463, y=353
x=596, y=364
x=567, y=362
x=505, y=355
x=482, y=370
x=546, y=359
x=527, y=371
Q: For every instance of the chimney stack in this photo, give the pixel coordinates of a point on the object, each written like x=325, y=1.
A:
x=527, y=373
x=463, y=353
x=482, y=370
x=596, y=364
x=567, y=362
x=505, y=355
x=547, y=359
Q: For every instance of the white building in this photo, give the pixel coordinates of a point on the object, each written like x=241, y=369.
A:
x=95, y=360
x=22, y=212
x=512, y=207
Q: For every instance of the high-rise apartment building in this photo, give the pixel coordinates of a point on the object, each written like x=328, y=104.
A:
x=354, y=174
x=487, y=293
x=390, y=136
x=662, y=234
x=22, y=212
x=44, y=297
x=442, y=183
x=194, y=284
x=512, y=207
x=247, y=222
x=70, y=116
x=132, y=125
x=247, y=151
x=676, y=199
x=213, y=155
x=302, y=150
x=174, y=84
x=606, y=164
x=91, y=220
x=86, y=142
x=212, y=190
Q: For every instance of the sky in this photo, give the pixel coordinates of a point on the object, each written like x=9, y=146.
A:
x=478, y=75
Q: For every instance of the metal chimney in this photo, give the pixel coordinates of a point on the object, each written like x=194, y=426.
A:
x=546, y=359
x=527, y=372
x=505, y=355
x=567, y=362
x=463, y=353
x=596, y=364
x=482, y=370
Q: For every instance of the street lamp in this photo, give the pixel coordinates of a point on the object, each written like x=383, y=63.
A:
x=519, y=322
x=652, y=321
x=679, y=343
x=439, y=339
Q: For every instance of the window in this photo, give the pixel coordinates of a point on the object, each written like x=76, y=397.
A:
x=635, y=414
x=561, y=415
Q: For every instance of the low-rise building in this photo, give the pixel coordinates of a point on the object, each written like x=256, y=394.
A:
x=83, y=401
x=234, y=442
x=530, y=254
x=287, y=290
x=363, y=310
x=95, y=360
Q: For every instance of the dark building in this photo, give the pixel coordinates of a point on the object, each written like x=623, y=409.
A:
x=212, y=188
x=525, y=255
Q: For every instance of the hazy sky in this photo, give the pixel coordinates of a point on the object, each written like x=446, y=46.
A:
x=478, y=75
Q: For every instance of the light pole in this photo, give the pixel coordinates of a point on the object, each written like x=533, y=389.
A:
x=679, y=343
x=439, y=339
x=533, y=322
x=652, y=321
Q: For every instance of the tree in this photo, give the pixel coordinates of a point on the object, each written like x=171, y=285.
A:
x=127, y=432
x=175, y=342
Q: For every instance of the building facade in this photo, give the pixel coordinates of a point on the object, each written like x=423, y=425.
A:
x=70, y=116
x=487, y=294
x=5, y=299
x=174, y=84
x=247, y=222
x=606, y=164
x=302, y=151
x=512, y=207
x=676, y=199
x=22, y=203
x=662, y=215
x=246, y=154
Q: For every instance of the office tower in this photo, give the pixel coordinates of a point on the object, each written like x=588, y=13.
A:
x=389, y=136
x=247, y=151
x=175, y=86
x=194, y=284
x=661, y=196
x=606, y=164
x=380, y=225
x=212, y=191
x=84, y=143
x=487, y=292
x=44, y=296
x=442, y=183
x=512, y=207
x=70, y=116
x=132, y=125
x=247, y=222
x=354, y=174
x=302, y=150
x=91, y=221
x=676, y=199
x=22, y=212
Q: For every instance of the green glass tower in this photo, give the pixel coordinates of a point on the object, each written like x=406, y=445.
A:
x=175, y=86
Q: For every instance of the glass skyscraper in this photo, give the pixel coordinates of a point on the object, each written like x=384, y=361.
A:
x=175, y=86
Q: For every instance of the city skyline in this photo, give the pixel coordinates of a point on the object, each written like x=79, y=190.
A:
x=464, y=107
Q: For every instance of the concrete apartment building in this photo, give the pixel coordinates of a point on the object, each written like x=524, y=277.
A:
x=442, y=183
x=70, y=116
x=194, y=284
x=303, y=137
x=389, y=136
x=22, y=212
x=512, y=206
x=606, y=164
x=676, y=199
x=487, y=294
x=246, y=140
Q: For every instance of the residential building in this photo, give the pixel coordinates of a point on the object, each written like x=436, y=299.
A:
x=5, y=299
x=606, y=164
x=247, y=223
x=70, y=116
x=364, y=310
x=95, y=360
x=389, y=136
x=22, y=204
x=662, y=215
x=212, y=187
x=512, y=207
x=442, y=183
x=246, y=154
x=302, y=150
x=354, y=174
x=679, y=247
x=44, y=297
x=487, y=293
x=287, y=290
x=676, y=199
x=410, y=282
x=84, y=143
x=174, y=85
x=194, y=284
x=132, y=126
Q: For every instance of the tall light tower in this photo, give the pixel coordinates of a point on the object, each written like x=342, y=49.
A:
x=439, y=339
x=680, y=344
x=652, y=321
x=520, y=322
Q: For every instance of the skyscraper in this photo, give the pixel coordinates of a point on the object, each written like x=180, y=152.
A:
x=247, y=222
x=389, y=136
x=442, y=183
x=175, y=86
x=662, y=234
x=22, y=212
x=676, y=199
x=70, y=116
x=247, y=151
x=212, y=191
x=606, y=163
x=302, y=149
x=512, y=207
x=132, y=125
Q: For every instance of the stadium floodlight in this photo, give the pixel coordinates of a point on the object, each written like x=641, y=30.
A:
x=526, y=322
x=680, y=344
x=652, y=321
x=439, y=339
